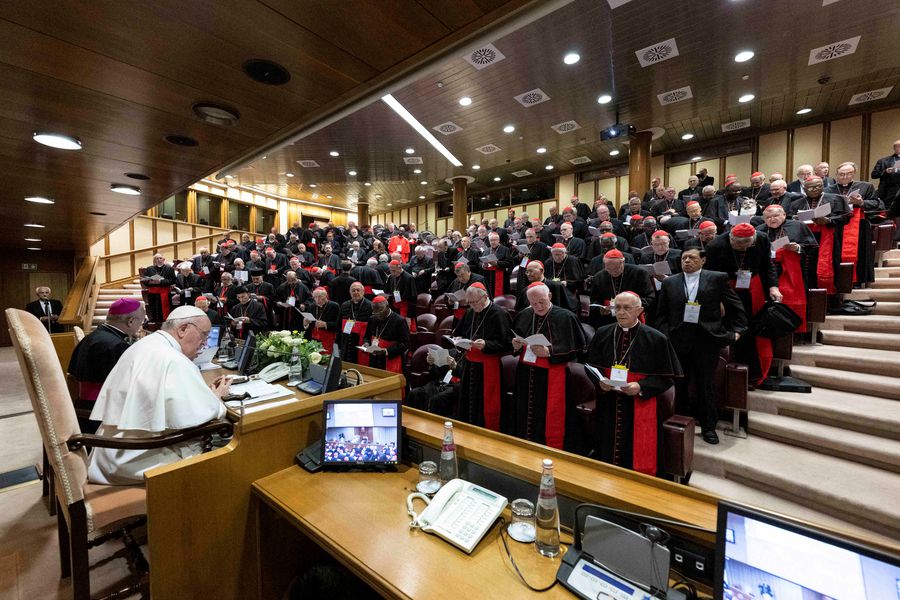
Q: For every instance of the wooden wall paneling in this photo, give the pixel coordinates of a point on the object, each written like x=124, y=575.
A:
x=184, y=231
x=17, y=285
x=846, y=142
x=773, y=153
x=807, y=148
x=565, y=186
x=184, y=251
x=120, y=267
x=741, y=165
x=98, y=248
x=545, y=208
x=587, y=191
x=145, y=259
x=622, y=192
x=607, y=187
x=863, y=168
x=431, y=217
x=120, y=240
x=712, y=167
x=678, y=175
x=165, y=232
x=885, y=131
x=658, y=167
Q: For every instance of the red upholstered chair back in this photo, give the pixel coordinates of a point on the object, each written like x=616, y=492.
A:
x=665, y=404
x=507, y=302
x=446, y=326
x=426, y=322
x=419, y=368
x=588, y=333
x=423, y=302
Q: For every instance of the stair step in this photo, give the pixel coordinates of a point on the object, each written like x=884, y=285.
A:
x=861, y=339
x=849, y=359
x=891, y=294
x=855, y=412
x=132, y=286
x=101, y=311
x=98, y=320
x=881, y=272
x=893, y=253
x=850, y=445
x=871, y=323
x=119, y=291
x=892, y=262
x=882, y=283
x=887, y=308
x=848, y=381
x=744, y=494
x=859, y=494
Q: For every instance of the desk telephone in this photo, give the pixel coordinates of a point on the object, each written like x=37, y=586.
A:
x=274, y=372
x=461, y=513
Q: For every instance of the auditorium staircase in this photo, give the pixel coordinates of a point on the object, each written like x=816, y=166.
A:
x=109, y=294
x=832, y=456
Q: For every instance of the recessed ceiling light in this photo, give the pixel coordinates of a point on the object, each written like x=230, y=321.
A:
x=524, y=189
x=687, y=136
x=216, y=113
x=614, y=153
x=351, y=173
x=329, y=197
x=509, y=129
x=421, y=197
x=465, y=101
x=604, y=99
x=57, y=140
x=35, y=225
x=549, y=167
x=803, y=111
x=266, y=71
x=496, y=204
x=181, y=140
x=30, y=239
x=39, y=200
x=417, y=171
x=571, y=58
x=128, y=190
x=696, y=158
x=541, y=150
x=288, y=174
x=312, y=185
x=475, y=167
x=746, y=98
x=743, y=56
x=423, y=182
x=32, y=248
x=315, y=196
x=410, y=151
x=368, y=184
x=334, y=153
x=99, y=214
x=229, y=177
x=390, y=203
x=265, y=157
x=496, y=179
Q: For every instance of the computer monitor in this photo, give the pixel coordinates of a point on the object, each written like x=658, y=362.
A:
x=360, y=433
x=215, y=337
x=765, y=556
x=247, y=351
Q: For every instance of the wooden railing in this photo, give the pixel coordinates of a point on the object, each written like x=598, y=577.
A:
x=78, y=309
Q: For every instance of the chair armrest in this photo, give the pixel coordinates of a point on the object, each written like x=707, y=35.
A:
x=221, y=427
x=678, y=441
x=737, y=379
x=843, y=279
x=816, y=305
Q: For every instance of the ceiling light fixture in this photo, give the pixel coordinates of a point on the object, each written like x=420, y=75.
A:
x=549, y=167
x=216, y=113
x=31, y=239
x=571, y=58
x=390, y=203
x=696, y=158
x=266, y=71
x=423, y=182
x=181, y=140
x=139, y=176
x=334, y=153
x=804, y=111
x=687, y=136
x=128, y=190
x=743, y=56
x=496, y=179
x=541, y=150
x=32, y=248
x=509, y=129
x=475, y=167
x=417, y=171
x=329, y=197
x=57, y=140
x=39, y=200
x=288, y=174
x=465, y=101
x=35, y=225
x=368, y=184
x=410, y=150
x=312, y=185
x=746, y=98
x=351, y=173
x=614, y=153
x=406, y=116
x=421, y=197
x=604, y=99
x=229, y=177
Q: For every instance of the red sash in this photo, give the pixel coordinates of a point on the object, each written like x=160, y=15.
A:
x=498, y=281
x=394, y=365
x=490, y=366
x=763, y=345
x=315, y=248
x=825, y=262
x=367, y=290
x=163, y=292
x=555, y=419
x=791, y=284
x=644, y=447
x=89, y=390
x=850, y=242
x=459, y=313
x=324, y=336
x=402, y=309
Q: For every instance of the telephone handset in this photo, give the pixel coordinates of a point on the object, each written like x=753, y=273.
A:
x=274, y=372
x=461, y=513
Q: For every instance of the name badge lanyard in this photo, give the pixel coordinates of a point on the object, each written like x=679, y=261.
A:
x=620, y=367
x=742, y=276
x=378, y=334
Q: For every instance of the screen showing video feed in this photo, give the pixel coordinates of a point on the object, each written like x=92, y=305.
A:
x=361, y=432
x=767, y=562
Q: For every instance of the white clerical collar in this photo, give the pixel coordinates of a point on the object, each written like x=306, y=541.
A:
x=692, y=276
x=626, y=329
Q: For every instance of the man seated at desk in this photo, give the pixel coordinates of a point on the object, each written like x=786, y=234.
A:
x=155, y=388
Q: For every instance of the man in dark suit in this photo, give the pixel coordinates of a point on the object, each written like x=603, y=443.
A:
x=46, y=309
x=803, y=172
x=689, y=311
x=705, y=179
x=887, y=172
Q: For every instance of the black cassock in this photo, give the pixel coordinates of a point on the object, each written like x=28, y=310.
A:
x=256, y=312
x=798, y=233
x=497, y=278
x=406, y=286
x=539, y=413
x=481, y=380
x=289, y=318
x=629, y=427
x=356, y=315
x=330, y=313
x=393, y=334
x=569, y=273
x=92, y=360
x=558, y=296
x=605, y=288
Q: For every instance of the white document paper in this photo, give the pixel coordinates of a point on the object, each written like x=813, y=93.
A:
x=490, y=258
x=594, y=231
x=734, y=219
x=439, y=356
x=242, y=276
x=537, y=339
x=807, y=216
x=308, y=316
x=523, y=249
x=599, y=376
x=780, y=242
x=457, y=296
x=459, y=342
x=662, y=268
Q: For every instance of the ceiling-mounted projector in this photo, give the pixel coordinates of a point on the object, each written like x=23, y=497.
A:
x=617, y=130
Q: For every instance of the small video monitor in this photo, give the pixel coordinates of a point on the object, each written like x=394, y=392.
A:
x=762, y=555
x=215, y=337
x=247, y=352
x=361, y=433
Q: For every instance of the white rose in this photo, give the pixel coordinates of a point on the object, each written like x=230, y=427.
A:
x=284, y=333
x=273, y=352
x=315, y=358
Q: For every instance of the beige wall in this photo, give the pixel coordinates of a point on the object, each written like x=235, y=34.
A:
x=846, y=141
x=885, y=131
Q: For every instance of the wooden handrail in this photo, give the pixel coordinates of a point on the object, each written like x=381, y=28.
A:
x=78, y=303
x=154, y=248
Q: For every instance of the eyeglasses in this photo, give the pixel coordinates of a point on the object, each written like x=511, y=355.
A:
x=204, y=334
x=619, y=307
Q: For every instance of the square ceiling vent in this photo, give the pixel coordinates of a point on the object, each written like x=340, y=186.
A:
x=484, y=57
x=579, y=160
x=522, y=173
x=565, y=127
x=673, y=96
x=307, y=163
x=657, y=53
x=532, y=97
x=488, y=149
x=413, y=160
x=834, y=50
x=870, y=96
x=447, y=128
x=735, y=125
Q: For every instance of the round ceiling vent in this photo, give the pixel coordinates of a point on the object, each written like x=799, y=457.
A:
x=181, y=140
x=266, y=71
x=140, y=176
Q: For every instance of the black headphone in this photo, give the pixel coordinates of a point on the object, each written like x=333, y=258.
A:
x=654, y=533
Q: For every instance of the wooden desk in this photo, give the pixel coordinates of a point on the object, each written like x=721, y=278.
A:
x=360, y=519
x=202, y=536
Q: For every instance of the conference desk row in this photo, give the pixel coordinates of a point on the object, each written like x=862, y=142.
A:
x=240, y=521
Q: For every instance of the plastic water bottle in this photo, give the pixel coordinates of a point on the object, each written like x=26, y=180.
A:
x=295, y=373
x=226, y=341
x=547, y=515
x=448, y=468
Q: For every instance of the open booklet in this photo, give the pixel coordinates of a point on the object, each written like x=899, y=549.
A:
x=595, y=374
x=457, y=296
x=368, y=348
x=439, y=356
x=461, y=343
x=734, y=219
x=807, y=216
x=781, y=242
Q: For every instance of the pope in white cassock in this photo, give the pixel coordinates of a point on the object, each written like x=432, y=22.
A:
x=155, y=388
